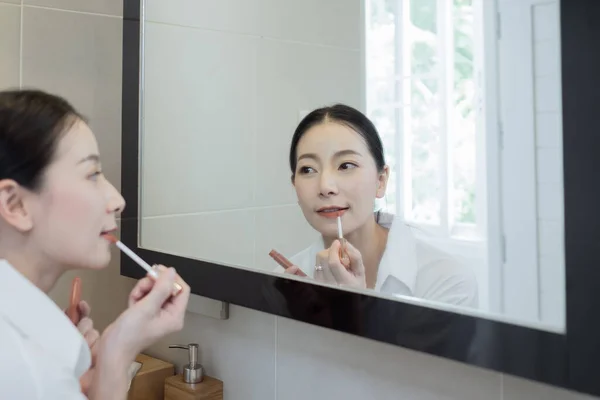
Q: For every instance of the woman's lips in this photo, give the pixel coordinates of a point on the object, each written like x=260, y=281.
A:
x=332, y=213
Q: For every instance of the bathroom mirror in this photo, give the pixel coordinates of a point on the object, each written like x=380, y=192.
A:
x=470, y=126
x=488, y=257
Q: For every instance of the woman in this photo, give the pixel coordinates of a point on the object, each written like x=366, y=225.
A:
x=338, y=167
x=55, y=204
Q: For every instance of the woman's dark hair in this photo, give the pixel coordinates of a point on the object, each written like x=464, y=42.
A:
x=32, y=122
x=344, y=115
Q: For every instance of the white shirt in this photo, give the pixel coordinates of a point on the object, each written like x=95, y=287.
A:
x=410, y=267
x=42, y=354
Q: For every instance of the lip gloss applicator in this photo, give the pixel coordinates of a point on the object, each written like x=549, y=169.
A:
x=139, y=261
x=344, y=258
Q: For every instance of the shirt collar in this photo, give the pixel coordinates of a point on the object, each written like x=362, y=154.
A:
x=40, y=320
x=399, y=259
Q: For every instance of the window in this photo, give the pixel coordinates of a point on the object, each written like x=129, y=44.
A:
x=422, y=94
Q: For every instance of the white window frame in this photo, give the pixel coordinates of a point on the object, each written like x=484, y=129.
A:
x=448, y=228
x=485, y=239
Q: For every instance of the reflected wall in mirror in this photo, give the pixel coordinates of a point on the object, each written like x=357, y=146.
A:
x=468, y=210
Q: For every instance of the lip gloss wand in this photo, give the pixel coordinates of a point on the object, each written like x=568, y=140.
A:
x=344, y=258
x=139, y=261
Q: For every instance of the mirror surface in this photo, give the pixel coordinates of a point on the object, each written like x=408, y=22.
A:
x=467, y=211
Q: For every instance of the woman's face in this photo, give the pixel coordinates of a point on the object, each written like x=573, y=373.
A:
x=335, y=172
x=75, y=205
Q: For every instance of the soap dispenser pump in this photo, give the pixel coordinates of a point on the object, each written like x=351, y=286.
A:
x=192, y=372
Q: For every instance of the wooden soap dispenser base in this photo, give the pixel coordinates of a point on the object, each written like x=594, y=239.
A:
x=192, y=384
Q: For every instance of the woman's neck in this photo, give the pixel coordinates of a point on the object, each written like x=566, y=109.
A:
x=32, y=266
x=370, y=240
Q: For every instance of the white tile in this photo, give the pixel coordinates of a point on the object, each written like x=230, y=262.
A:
x=553, y=290
x=550, y=201
x=78, y=56
x=549, y=165
x=108, y=7
x=317, y=363
x=10, y=2
x=522, y=389
x=239, y=351
x=546, y=58
x=281, y=228
x=293, y=78
x=10, y=53
x=221, y=237
x=199, y=121
x=551, y=238
x=546, y=21
x=548, y=130
x=547, y=94
x=334, y=22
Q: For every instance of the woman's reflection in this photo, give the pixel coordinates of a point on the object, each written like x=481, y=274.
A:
x=338, y=168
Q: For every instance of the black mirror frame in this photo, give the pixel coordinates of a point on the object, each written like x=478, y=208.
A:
x=568, y=361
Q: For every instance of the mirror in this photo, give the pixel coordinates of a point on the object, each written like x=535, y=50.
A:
x=467, y=213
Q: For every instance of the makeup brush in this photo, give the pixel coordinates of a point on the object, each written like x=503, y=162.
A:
x=344, y=258
x=139, y=261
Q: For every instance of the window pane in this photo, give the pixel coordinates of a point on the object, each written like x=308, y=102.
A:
x=423, y=131
x=464, y=115
x=422, y=116
x=421, y=33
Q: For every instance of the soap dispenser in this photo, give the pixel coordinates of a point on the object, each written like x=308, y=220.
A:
x=192, y=372
x=192, y=384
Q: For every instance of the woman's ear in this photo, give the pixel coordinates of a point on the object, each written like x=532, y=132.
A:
x=382, y=180
x=13, y=208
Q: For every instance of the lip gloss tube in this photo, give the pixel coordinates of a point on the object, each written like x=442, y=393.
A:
x=284, y=262
x=73, y=310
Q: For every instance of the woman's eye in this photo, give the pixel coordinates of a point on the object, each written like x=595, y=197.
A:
x=306, y=170
x=348, y=165
x=94, y=176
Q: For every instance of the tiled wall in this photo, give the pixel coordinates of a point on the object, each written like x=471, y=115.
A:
x=232, y=78
x=548, y=131
x=77, y=46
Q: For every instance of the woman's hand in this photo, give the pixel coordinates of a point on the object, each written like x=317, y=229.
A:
x=85, y=326
x=153, y=313
x=294, y=270
x=329, y=267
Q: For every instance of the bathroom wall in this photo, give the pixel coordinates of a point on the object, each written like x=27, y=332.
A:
x=74, y=48
x=530, y=104
x=249, y=71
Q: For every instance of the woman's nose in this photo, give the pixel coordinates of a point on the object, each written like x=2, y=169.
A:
x=328, y=185
x=116, y=202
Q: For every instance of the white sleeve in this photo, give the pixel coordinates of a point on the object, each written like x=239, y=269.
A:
x=25, y=374
x=448, y=281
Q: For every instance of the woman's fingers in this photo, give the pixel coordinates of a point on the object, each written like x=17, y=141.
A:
x=338, y=270
x=356, y=262
x=141, y=289
x=84, y=309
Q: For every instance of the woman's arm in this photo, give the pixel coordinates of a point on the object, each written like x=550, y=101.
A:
x=109, y=380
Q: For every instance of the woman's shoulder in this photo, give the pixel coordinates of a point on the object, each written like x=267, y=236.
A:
x=444, y=276
x=33, y=375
